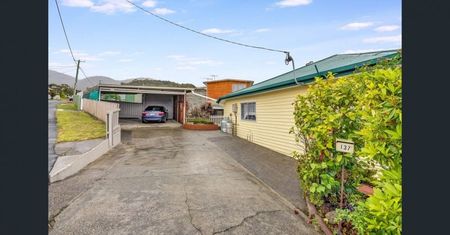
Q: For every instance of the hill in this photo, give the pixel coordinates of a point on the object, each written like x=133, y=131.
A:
x=154, y=82
x=58, y=78
x=95, y=80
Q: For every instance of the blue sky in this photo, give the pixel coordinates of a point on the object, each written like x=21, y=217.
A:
x=116, y=39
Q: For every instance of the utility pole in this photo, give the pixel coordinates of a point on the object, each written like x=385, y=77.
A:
x=76, y=79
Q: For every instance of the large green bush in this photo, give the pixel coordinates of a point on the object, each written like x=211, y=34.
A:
x=364, y=107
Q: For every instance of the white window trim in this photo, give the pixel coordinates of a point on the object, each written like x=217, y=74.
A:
x=240, y=112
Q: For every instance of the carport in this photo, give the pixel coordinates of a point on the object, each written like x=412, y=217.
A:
x=134, y=99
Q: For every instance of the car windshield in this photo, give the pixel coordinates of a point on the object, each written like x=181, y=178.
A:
x=154, y=108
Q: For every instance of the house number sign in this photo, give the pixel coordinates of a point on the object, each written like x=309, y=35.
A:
x=345, y=146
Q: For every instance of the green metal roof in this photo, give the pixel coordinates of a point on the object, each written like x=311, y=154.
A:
x=339, y=64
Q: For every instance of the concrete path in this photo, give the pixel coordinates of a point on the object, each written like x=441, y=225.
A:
x=171, y=181
x=275, y=169
x=52, y=134
x=76, y=147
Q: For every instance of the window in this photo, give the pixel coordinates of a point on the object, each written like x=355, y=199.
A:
x=248, y=111
x=122, y=97
x=155, y=108
x=237, y=86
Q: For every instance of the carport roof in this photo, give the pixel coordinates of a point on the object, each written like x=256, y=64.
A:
x=143, y=89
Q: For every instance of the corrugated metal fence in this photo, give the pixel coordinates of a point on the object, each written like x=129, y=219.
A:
x=99, y=109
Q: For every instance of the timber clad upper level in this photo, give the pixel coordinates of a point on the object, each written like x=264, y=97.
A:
x=218, y=88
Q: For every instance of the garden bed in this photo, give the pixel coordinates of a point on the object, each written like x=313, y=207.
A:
x=201, y=124
x=201, y=127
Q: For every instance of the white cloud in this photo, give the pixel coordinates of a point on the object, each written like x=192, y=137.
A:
x=184, y=68
x=191, y=63
x=217, y=31
x=385, y=39
x=113, y=6
x=293, y=3
x=81, y=55
x=163, y=11
x=357, y=25
x=103, y=6
x=57, y=64
x=125, y=60
x=149, y=3
x=262, y=30
x=362, y=50
x=387, y=28
x=77, y=3
x=109, y=53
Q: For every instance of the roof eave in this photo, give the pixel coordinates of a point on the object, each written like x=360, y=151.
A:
x=341, y=71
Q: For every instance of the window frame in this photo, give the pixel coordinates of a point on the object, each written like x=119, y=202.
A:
x=241, y=86
x=242, y=110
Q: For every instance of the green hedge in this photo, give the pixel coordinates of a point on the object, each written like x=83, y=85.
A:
x=365, y=107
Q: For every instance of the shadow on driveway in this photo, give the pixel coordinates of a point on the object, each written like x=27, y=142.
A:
x=275, y=169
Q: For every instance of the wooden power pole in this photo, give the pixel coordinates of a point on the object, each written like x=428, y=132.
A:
x=76, y=79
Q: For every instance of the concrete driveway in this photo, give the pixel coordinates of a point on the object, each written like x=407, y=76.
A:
x=169, y=181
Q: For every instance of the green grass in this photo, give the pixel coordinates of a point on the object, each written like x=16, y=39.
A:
x=77, y=125
x=67, y=106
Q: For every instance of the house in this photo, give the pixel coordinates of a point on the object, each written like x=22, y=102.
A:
x=264, y=111
x=218, y=88
x=134, y=99
x=196, y=100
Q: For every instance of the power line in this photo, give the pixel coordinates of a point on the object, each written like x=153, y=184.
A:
x=64, y=29
x=67, y=40
x=206, y=35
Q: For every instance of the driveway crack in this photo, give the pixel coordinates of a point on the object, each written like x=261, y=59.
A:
x=243, y=220
x=189, y=212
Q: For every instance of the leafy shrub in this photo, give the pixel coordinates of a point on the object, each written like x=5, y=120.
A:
x=198, y=112
x=201, y=121
x=366, y=108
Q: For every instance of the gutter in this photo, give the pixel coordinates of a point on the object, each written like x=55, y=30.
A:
x=192, y=91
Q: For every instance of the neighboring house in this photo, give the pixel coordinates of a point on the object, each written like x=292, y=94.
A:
x=195, y=101
x=218, y=88
x=265, y=110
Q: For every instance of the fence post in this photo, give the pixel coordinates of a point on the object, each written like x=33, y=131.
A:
x=109, y=117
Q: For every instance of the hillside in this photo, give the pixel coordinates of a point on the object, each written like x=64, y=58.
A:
x=58, y=78
x=95, y=80
x=154, y=82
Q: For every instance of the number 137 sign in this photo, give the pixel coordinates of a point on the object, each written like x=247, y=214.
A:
x=345, y=146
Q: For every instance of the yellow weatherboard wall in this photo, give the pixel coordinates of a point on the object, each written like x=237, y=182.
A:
x=274, y=118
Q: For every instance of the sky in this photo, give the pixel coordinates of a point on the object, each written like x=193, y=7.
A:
x=115, y=39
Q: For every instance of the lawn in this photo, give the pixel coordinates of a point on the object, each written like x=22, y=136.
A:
x=77, y=125
x=67, y=106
